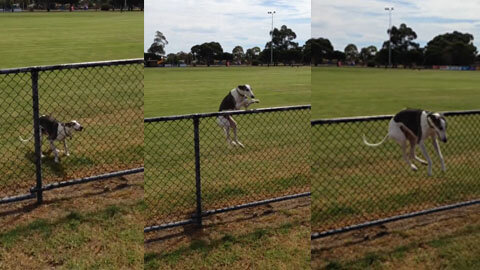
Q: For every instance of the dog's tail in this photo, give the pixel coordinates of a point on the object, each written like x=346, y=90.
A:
x=373, y=144
x=25, y=140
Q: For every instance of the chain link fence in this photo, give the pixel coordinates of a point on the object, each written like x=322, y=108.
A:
x=106, y=98
x=354, y=185
x=191, y=171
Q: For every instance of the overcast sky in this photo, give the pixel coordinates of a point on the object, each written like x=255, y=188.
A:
x=186, y=23
x=365, y=22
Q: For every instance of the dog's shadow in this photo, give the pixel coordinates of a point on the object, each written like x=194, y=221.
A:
x=48, y=161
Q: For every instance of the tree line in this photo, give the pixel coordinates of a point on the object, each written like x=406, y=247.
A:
x=446, y=49
x=91, y=4
x=285, y=51
x=454, y=48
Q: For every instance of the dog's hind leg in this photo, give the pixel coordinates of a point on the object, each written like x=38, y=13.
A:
x=41, y=153
x=66, y=148
x=234, y=127
x=406, y=156
x=439, y=153
x=227, y=135
x=425, y=154
x=54, y=150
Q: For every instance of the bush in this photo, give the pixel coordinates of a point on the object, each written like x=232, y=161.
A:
x=256, y=62
x=105, y=7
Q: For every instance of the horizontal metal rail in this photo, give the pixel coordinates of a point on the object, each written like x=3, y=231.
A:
x=72, y=66
x=379, y=117
x=169, y=225
x=214, y=114
x=17, y=198
x=222, y=210
x=253, y=204
x=88, y=179
x=392, y=219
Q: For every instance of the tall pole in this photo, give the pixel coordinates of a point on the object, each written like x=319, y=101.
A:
x=389, y=35
x=271, y=44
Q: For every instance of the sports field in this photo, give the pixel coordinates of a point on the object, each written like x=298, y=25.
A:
x=273, y=163
x=89, y=226
x=352, y=183
x=338, y=92
x=41, y=38
x=174, y=91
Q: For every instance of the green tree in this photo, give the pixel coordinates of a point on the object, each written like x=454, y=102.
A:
x=238, y=54
x=207, y=52
x=451, y=49
x=282, y=42
x=351, y=53
x=252, y=54
x=404, y=50
x=367, y=55
x=318, y=49
x=159, y=43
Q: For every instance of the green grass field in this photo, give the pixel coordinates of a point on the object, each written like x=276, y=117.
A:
x=41, y=38
x=352, y=183
x=276, y=142
x=174, y=91
x=339, y=92
x=273, y=162
x=107, y=101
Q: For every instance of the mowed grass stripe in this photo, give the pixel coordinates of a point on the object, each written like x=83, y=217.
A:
x=174, y=91
x=340, y=92
x=41, y=38
x=353, y=183
x=274, y=162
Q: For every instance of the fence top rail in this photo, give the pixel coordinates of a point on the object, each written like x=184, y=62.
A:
x=73, y=66
x=214, y=114
x=378, y=118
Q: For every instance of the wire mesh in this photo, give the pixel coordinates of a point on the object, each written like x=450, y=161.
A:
x=353, y=183
x=273, y=163
x=16, y=164
x=106, y=98
x=108, y=102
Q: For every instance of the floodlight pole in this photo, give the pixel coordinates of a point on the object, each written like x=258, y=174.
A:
x=389, y=35
x=271, y=44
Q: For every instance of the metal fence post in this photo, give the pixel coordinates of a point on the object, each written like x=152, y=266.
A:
x=196, y=123
x=36, y=127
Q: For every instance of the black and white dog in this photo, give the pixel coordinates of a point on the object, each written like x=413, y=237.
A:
x=56, y=131
x=416, y=126
x=235, y=100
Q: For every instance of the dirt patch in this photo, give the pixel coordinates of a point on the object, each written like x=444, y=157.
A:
x=355, y=245
x=218, y=231
x=83, y=198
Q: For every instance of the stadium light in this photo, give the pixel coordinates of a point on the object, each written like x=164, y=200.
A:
x=390, y=9
x=271, y=44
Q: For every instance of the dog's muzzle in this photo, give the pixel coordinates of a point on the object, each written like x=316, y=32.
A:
x=80, y=129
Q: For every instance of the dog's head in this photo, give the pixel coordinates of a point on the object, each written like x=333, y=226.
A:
x=438, y=122
x=74, y=125
x=245, y=90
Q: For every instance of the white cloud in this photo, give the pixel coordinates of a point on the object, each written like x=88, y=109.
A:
x=186, y=23
x=365, y=22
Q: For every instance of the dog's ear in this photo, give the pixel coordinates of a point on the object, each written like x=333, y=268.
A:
x=242, y=87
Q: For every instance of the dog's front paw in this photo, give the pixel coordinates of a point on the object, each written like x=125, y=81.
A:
x=414, y=168
x=67, y=154
x=240, y=144
x=256, y=100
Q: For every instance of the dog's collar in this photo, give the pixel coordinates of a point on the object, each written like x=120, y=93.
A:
x=65, y=130
x=240, y=93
